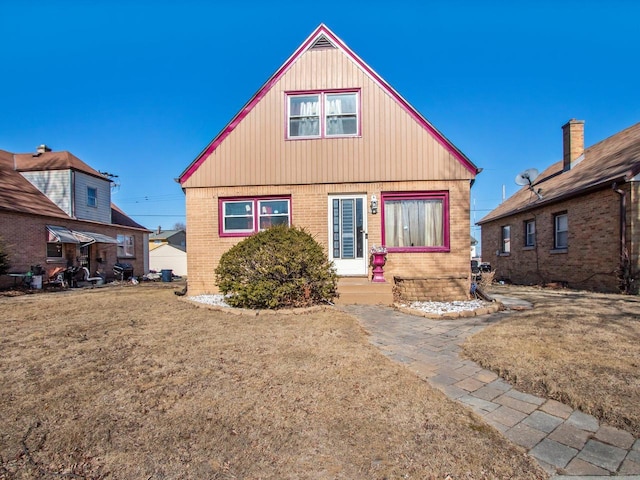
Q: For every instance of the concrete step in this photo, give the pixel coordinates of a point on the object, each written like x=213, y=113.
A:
x=361, y=291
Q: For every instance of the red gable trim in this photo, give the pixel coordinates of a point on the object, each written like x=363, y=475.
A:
x=260, y=94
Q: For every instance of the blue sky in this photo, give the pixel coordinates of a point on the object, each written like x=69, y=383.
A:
x=139, y=88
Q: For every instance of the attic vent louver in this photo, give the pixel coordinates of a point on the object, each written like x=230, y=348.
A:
x=321, y=42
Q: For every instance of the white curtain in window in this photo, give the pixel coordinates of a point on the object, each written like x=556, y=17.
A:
x=309, y=122
x=334, y=121
x=414, y=223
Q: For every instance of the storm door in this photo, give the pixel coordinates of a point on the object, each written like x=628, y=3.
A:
x=348, y=234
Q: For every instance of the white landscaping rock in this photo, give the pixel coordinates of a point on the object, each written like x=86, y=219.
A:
x=428, y=307
x=445, y=307
x=216, y=300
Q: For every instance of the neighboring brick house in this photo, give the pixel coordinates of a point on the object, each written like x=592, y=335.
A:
x=578, y=223
x=55, y=211
x=328, y=145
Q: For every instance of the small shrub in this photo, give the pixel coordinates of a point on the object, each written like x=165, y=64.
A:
x=4, y=258
x=282, y=267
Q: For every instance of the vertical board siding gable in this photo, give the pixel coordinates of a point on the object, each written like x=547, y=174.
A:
x=302, y=51
x=391, y=146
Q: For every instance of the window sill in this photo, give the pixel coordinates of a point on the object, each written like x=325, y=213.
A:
x=504, y=254
x=418, y=249
x=237, y=234
x=558, y=250
x=529, y=247
x=320, y=137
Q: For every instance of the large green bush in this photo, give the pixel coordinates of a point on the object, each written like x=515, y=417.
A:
x=282, y=267
x=4, y=258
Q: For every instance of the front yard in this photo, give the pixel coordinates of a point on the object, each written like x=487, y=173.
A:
x=580, y=348
x=132, y=382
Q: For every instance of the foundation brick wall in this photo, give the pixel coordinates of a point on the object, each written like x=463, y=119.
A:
x=436, y=289
x=309, y=209
x=592, y=258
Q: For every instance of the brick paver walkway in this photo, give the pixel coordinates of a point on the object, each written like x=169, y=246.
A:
x=563, y=440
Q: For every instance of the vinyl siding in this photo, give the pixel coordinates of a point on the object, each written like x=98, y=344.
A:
x=393, y=146
x=55, y=184
x=101, y=213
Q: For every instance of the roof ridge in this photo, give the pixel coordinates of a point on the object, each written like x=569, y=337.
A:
x=32, y=162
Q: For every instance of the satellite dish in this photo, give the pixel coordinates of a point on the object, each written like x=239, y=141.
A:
x=527, y=177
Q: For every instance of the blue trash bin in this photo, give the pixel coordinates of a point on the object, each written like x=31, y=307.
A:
x=166, y=275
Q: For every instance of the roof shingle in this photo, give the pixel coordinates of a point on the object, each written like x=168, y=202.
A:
x=28, y=162
x=19, y=195
x=615, y=159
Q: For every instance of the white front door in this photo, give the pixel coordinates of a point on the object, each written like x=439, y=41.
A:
x=348, y=234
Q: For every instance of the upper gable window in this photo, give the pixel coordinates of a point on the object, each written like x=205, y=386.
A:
x=341, y=114
x=323, y=114
x=92, y=197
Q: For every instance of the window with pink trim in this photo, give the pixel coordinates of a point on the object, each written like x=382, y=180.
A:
x=323, y=114
x=416, y=221
x=246, y=216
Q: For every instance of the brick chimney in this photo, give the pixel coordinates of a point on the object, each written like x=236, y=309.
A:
x=572, y=142
x=42, y=149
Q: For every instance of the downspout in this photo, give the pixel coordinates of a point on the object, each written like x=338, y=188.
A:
x=624, y=273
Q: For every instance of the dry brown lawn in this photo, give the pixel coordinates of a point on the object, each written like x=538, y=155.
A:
x=131, y=382
x=580, y=348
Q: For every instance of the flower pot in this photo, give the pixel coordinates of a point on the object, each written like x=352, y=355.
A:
x=378, y=260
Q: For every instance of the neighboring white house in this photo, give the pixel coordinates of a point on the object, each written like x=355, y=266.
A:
x=168, y=257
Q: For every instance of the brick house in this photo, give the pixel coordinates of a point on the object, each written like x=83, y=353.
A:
x=328, y=145
x=578, y=223
x=55, y=211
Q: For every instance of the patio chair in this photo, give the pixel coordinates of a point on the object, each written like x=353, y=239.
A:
x=89, y=278
x=56, y=278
